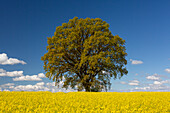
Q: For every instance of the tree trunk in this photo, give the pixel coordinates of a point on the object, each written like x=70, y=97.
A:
x=87, y=87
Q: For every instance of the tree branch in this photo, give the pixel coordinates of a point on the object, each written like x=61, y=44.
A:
x=68, y=61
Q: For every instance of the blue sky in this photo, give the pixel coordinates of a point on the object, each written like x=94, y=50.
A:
x=25, y=26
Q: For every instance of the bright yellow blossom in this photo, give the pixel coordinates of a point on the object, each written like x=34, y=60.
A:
x=84, y=102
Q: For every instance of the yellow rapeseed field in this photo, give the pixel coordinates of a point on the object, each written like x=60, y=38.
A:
x=84, y=102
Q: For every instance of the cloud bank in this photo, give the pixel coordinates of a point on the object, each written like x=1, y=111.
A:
x=40, y=86
x=156, y=86
x=28, y=78
x=20, y=77
x=30, y=88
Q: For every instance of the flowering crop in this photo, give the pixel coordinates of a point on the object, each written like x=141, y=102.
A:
x=84, y=102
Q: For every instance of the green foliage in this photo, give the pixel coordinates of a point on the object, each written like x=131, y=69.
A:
x=84, y=48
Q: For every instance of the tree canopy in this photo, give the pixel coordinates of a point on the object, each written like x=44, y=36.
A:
x=86, y=53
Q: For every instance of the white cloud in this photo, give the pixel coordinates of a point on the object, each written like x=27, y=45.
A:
x=27, y=78
x=30, y=88
x=11, y=87
x=8, y=84
x=6, y=90
x=13, y=61
x=20, y=77
x=15, y=73
x=40, y=84
x=161, y=82
x=4, y=60
x=136, y=61
x=50, y=84
x=157, y=83
x=2, y=74
x=11, y=74
x=156, y=86
x=3, y=57
x=0, y=89
x=122, y=82
x=41, y=75
x=161, y=76
x=166, y=81
x=134, y=83
x=142, y=88
x=152, y=77
x=40, y=87
x=2, y=71
x=167, y=70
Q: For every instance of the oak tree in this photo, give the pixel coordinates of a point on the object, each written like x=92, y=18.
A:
x=86, y=53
